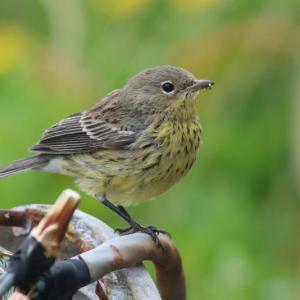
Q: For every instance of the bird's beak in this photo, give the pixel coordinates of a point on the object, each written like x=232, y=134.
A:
x=200, y=84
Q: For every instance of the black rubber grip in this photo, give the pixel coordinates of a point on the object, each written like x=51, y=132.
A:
x=63, y=280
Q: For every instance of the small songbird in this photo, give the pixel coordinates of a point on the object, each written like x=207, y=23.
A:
x=131, y=146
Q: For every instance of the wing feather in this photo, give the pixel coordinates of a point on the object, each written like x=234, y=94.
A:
x=87, y=131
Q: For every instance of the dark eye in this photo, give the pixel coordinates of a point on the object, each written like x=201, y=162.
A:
x=167, y=87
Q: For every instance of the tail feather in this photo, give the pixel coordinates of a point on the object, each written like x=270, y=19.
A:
x=23, y=165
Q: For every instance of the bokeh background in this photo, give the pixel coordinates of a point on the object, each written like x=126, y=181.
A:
x=236, y=216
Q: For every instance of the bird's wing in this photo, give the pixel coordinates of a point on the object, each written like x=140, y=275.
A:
x=88, y=131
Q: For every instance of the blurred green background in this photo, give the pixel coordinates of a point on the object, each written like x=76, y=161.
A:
x=236, y=216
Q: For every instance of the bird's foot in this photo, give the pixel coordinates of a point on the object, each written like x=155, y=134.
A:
x=150, y=230
x=134, y=226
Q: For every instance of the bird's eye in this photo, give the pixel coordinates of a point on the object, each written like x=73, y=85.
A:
x=167, y=87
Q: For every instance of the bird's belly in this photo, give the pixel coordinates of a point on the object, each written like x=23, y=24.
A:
x=138, y=174
x=159, y=178
x=131, y=186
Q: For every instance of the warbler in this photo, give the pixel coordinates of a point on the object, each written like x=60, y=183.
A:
x=132, y=146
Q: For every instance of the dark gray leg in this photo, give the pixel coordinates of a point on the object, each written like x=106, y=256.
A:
x=133, y=225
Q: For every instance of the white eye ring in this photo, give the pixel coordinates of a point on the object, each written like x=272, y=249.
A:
x=167, y=87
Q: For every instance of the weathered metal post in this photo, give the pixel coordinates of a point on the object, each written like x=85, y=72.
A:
x=114, y=262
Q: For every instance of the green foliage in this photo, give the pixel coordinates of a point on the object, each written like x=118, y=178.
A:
x=235, y=216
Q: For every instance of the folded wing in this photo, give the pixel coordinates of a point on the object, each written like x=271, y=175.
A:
x=86, y=132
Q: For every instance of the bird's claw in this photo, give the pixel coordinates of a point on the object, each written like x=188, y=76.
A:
x=150, y=230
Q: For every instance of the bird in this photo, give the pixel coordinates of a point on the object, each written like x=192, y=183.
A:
x=132, y=146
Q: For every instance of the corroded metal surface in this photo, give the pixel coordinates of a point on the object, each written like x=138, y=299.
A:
x=86, y=232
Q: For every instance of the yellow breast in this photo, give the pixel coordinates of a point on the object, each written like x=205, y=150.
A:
x=160, y=157
x=175, y=152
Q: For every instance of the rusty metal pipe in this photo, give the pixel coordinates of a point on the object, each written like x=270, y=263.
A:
x=126, y=251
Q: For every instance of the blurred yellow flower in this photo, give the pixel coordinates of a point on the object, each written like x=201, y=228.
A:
x=190, y=5
x=12, y=46
x=121, y=8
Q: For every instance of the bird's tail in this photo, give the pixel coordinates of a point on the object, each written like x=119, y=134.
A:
x=23, y=165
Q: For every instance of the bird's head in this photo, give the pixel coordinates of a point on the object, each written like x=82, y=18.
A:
x=164, y=86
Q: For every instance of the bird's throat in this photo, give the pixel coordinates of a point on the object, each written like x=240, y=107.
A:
x=182, y=111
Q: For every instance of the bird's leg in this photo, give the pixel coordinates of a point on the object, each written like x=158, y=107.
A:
x=133, y=225
x=151, y=227
x=121, y=212
x=124, y=211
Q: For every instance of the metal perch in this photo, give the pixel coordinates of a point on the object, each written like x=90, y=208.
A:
x=37, y=252
x=111, y=260
x=125, y=251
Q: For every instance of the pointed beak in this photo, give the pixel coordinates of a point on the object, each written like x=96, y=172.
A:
x=200, y=84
